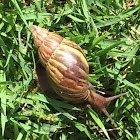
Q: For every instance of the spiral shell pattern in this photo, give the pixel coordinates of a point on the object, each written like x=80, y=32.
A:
x=65, y=63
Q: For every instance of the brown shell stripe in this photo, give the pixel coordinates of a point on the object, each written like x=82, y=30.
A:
x=49, y=45
x=70, y=78
x=77, y=55
x=39, y=35
x=73, y=45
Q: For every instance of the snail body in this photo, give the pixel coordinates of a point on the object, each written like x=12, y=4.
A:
x=67, y=69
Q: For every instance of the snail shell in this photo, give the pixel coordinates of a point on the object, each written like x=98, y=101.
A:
x=65, y=63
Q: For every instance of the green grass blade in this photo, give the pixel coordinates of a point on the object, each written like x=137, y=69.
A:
x=82, y=128
x=98, y=121
x=109, y=22
x=38, y=6
x=104, y=51
x=75, y=18
x=3, y=111
x=130, y=11
x=97, y=40
x=96, y=10
x=85, y=9
x=20, y=12
x=3, y=101
x=20, y=135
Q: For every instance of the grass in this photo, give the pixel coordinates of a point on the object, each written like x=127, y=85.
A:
x=108, y=32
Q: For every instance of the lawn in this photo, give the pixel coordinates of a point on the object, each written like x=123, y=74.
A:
x=109, y=34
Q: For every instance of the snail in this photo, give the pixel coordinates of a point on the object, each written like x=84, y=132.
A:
x=67, y=69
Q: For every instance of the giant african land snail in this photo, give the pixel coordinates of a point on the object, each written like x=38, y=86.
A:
x=67, y=69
